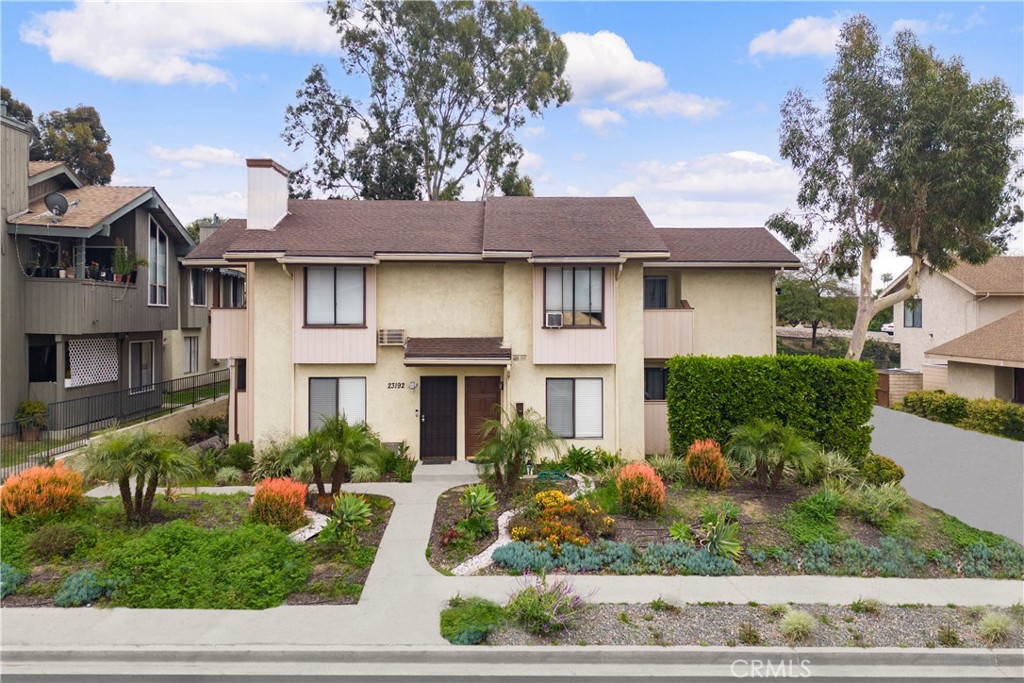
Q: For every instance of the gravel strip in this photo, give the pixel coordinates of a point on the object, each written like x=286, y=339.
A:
x=721, y=625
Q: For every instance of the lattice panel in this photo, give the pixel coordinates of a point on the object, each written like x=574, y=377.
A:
x=93, y=361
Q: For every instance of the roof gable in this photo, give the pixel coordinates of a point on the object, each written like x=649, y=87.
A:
x=1001, y=340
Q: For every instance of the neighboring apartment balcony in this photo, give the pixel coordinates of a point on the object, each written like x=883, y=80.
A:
x=229, y=332
x=84, y=306
x=668, y=332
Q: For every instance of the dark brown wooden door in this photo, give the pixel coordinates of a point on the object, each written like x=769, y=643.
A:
x=438, y=417
x=483, y=401
x=882, y=390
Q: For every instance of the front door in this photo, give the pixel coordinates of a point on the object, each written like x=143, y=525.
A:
x=483, y=402
x=438, y=416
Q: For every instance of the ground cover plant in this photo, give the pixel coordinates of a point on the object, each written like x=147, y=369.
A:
x=193, y=551
x=821, y=516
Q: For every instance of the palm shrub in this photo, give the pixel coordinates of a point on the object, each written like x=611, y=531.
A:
x=766, y=449
x=138, y=460
x=511, y=441
x=705, y=466
x=333, y=450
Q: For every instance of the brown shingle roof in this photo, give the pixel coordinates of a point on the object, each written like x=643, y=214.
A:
x=1000, y=275
x=37, y=167
x=1002, y=340
x=725, y=245
x=213, y=247
x=568, y=226
x=341, y=227
x=96, y=202
x=456, y=347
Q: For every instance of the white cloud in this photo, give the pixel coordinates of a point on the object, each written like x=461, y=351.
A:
x=598, y=120
x=174, y=42
x=943, y=22
x=804, y=36
x=579, y=156
x=739, y=188
x=677, y=104
x=531, y=132
x=602, y=66
x=196, y=156
x=530, y=161
x=197, y=205
x=918, y=26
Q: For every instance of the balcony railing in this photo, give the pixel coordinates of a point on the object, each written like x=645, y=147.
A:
x=229, y=332
x=71, y=423
x=668, y=332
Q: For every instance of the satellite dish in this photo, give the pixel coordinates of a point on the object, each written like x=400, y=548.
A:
x=56, y=203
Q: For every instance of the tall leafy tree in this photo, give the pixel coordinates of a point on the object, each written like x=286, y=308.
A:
x=76, y=137
x=905, y=148
x=449, y=84
x=19, y=111
x=812, y=296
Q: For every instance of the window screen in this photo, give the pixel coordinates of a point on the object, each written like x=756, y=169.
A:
x=334, y=296
x=330, y=396
x=575, y=407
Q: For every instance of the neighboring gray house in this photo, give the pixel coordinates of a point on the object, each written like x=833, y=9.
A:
x=67, y=337
x=950, y=305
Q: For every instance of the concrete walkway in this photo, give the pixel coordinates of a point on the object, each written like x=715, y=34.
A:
x=975, y=477
x=404, y=595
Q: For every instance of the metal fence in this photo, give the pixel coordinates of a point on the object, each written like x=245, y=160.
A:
x=70, y=423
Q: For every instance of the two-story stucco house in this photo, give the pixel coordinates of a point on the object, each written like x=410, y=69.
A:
x=950, y=330
x=422, y=317
x=69, y=330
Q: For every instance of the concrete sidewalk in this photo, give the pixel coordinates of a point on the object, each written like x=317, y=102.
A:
x=404, y=595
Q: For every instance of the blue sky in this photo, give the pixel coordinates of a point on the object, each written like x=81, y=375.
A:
x=676, y=103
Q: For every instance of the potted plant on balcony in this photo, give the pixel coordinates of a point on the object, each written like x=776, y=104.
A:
x=92, y=271
x=67, y=263
x=33, y=268
x=31, y=417
x=126, y=264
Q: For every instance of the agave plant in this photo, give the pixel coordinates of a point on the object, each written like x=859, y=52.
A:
x=479, y=500
x=721, y=538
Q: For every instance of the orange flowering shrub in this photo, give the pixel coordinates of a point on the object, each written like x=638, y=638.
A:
x=41, y=491
x=705, y=466
x=641, y=491
x=554, y=519
x=280, y=503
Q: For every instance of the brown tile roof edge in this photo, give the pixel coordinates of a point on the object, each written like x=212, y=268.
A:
x=456, y=347
x=37, y=167
x=96, y=203
x=1002, y=339
x=725, y=245
x=999, y=275
x=214, y=246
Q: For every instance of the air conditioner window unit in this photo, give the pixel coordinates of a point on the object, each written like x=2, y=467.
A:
x=391, y=337
x=553, y=320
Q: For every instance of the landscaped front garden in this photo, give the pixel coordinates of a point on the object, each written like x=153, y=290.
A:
x=759, y=483
x=156, y=546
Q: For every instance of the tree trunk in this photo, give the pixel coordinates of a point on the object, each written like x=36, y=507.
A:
x=125, y=486
x=761, y=468
x=140, y=486
x=814, y=332
x=780, y=468
x=318, y=479
x=865, y=305
x=147, y=502
x=337, y=476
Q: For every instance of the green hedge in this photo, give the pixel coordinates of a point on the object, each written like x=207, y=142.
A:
x=827, y=399
x=987, y=415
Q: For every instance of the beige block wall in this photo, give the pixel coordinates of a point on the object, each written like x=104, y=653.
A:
x=440, y=300
x=271, y=377
x=902, y=383
x=734, y=310
x=974, y=380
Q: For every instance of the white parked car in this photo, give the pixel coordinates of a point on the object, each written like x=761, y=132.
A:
x=889, y=328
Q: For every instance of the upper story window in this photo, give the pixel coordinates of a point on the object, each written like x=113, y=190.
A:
x=157, y=265
x=655, y=291
x=197, y=287
x=335, y=296
x=573, y=297
x=912, y=313
x=233, y=292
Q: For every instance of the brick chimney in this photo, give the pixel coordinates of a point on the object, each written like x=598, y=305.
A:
x=268, y=193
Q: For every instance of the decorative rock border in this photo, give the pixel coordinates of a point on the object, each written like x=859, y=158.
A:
x=317, y=522
x=486, y=558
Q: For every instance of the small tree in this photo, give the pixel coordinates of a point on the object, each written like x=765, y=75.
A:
x=767, y=448
x=906, y=148
x=138, y=460
x=333, y=450
x=511, y=441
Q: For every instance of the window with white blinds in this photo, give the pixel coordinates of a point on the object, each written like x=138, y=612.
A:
x=334, y=296
x=575, y=407
x=330, y=396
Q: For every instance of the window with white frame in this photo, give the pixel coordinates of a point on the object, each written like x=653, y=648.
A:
x=335, y=296
x=197, y=287
x=140, y=366
x=191, y=354
x=577, y=294
x=157, y=265
x=341, y=396
x=575, y=407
